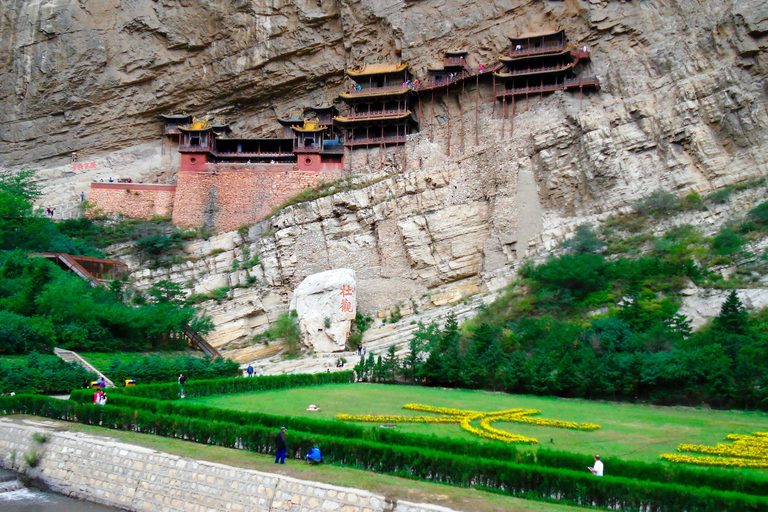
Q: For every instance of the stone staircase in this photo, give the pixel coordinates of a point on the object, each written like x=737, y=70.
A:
x=74, y=357
x=376, y=340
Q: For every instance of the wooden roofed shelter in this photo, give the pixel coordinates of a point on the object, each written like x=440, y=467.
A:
x=93, y=270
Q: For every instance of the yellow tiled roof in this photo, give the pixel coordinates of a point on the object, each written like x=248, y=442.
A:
x=377, y=69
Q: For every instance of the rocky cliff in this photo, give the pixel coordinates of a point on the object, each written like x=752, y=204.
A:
x=682, y=108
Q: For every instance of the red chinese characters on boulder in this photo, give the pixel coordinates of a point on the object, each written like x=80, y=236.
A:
x=84, y=165
x=346, y=291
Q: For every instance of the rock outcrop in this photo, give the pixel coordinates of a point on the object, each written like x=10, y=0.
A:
x=326, y=304
x=682, y=108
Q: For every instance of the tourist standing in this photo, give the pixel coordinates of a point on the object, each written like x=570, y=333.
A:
x=182, y=381
x=250, y=370
x=597, y=469
x=281, y=446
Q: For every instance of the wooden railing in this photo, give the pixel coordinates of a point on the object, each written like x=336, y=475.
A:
x=572, y=83
x=377, y=113
x=370, y=141
x=542, y=69
x=526, y=51
x=197, y=341
x=377, y=90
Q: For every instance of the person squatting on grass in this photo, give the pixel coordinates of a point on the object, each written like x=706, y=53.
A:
x=597, y=469
x=281, y=446
x=314, y=456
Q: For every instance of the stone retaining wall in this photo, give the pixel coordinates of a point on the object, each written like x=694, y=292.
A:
x=117, y=474
x=134, y=200
x=228, y=196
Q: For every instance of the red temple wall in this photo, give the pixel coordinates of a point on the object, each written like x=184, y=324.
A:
x=193, y=162
x=134, y=200
x=231, y=196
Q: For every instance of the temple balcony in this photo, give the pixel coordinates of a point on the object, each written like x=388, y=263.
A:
x=256, y=154
x=527, y=51
x=376, y=141
x=376, y=114
x=454, y=62
x=194, y=148
x=568, y=84
x=544, y=70
x=375, y=91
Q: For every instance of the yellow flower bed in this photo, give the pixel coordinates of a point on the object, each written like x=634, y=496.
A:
x=745, y=452
x=465, y=419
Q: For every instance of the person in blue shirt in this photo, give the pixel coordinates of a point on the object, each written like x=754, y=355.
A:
x=314, y=456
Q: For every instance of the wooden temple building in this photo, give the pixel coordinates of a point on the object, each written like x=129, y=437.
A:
x=379, y=106
x=203, y=142
x=385, y=104
x=543, y=62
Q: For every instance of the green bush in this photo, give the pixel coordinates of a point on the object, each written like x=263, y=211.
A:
x=727, y=241
x=153, y=369
x=41, y=374
x=581, y=274
x=522, y=480
x=659, y=203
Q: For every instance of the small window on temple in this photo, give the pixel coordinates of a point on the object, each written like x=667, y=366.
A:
x=193, y=160
x=307, y=161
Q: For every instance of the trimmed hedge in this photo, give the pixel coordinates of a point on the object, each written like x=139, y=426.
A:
x=717, y=479
x=198, y=388
x=311, y=426
x=532, y=482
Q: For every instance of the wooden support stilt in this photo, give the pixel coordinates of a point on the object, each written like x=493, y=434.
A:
x=448, y=114
x=477, y=102
x=512, y=121
x=419, y=111
x=432, y=116
x=381, y=150
x=504, y=115
x=493, y=111
x=461, y=112
x=581, y=95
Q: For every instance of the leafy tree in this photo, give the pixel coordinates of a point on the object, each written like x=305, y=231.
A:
x=167, y=292
x=579, y=273
x=584, y=241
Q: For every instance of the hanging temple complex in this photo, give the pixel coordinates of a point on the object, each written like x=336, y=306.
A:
x=225, y=182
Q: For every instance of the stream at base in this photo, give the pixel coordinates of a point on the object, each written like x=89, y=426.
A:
x=32, y=500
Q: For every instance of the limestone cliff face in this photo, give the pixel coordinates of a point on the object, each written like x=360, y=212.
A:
x=682, y=107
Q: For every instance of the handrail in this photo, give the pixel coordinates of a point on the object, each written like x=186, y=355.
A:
x=537, y=70
x=538, y=50
x=376, y=140
x=567, y=84
x=377, y=90
x=197, y=341
x=378, y=113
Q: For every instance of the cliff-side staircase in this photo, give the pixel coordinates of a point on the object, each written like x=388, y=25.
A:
x=198, y=342
x=74, y=357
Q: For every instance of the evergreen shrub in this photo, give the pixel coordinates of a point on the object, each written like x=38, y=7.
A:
x=522, y=480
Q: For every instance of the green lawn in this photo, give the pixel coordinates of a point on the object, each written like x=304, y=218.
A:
x=631, y=432
x=390, y=486
x=101, y=360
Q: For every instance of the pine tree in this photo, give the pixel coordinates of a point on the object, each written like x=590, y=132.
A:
x=391, y=365
x=733, y=317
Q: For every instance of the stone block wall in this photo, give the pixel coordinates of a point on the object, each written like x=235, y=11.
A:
x=130, y=477
x=134, y=200
x=228, y=196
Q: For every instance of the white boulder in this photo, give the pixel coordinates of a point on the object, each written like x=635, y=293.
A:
x=326, y=304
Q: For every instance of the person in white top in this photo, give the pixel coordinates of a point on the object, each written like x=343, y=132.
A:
x=597, y=469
